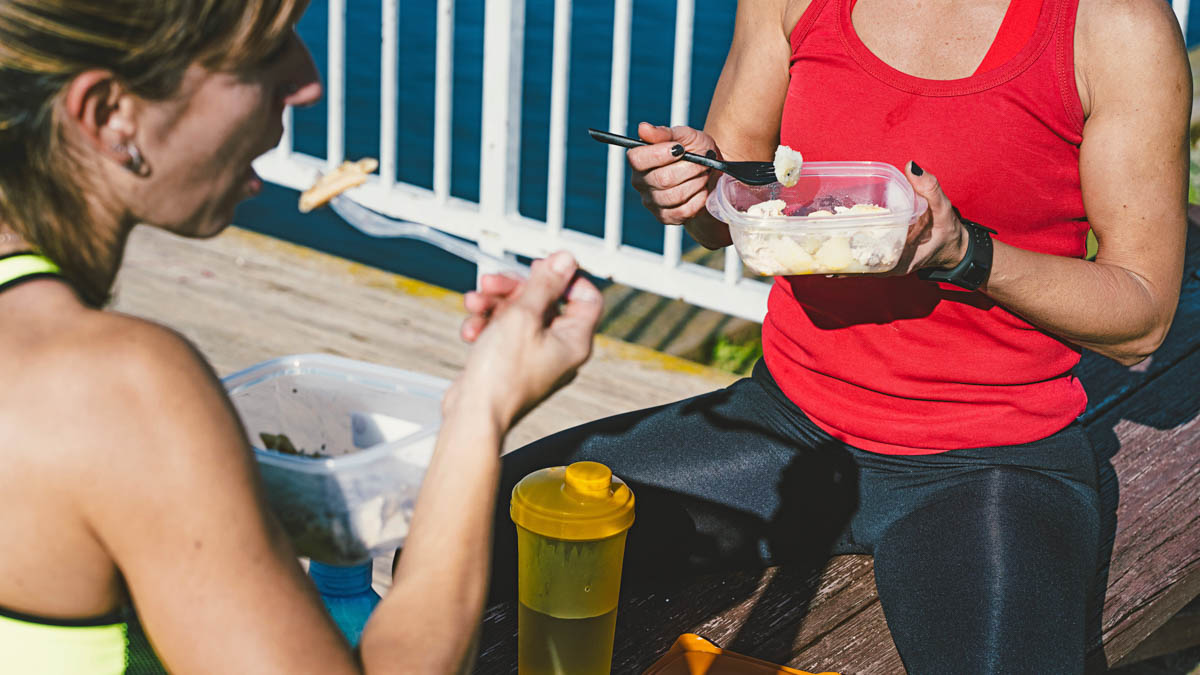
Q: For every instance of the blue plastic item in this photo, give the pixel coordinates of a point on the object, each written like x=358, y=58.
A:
x=347, y=594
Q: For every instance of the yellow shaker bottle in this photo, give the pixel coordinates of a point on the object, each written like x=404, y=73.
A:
x=571, y=524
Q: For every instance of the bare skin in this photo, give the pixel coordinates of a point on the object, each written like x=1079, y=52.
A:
x=128, y=474
x=1134, y=83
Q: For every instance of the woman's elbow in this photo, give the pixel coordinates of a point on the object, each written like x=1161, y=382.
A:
x=1133, y=351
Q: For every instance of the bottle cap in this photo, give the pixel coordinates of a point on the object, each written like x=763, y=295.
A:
x=580, y=502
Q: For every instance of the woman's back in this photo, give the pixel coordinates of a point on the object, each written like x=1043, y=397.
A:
x=55, y=567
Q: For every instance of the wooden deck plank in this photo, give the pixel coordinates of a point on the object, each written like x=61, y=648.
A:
x=243, y=298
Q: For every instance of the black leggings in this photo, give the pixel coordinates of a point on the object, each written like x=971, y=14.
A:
x=985, y=559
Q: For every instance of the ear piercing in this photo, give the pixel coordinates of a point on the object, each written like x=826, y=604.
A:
x=135, y=164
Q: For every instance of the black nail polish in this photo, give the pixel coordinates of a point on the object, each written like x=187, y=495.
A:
x=711, y=154
x=916, y=170
x=677, y=150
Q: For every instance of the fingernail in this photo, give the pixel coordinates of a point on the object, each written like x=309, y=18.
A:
x=916, y=170
x=711, y=154
x=561, y=262
x=677, y=150
x=581, y=292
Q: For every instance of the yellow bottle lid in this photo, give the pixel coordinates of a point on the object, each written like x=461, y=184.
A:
x=580, y=502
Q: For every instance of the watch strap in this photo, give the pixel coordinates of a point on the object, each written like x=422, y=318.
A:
x=975, y=267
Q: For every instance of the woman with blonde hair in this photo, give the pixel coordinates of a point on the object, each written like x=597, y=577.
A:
x=127, y=481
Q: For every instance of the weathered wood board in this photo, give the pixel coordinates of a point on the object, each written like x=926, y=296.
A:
x=243, y=298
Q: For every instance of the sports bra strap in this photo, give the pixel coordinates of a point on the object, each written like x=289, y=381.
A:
x=23, y=266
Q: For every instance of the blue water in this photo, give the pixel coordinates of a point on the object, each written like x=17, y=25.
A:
x=274, y=211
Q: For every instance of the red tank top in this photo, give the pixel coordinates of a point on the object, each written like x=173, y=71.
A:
x=903, y=366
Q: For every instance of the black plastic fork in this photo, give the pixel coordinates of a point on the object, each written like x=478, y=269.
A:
x=750, y=173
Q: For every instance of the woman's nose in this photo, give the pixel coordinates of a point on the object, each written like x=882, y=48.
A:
x=303, y=86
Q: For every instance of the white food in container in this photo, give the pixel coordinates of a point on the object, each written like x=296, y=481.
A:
x=767, y=209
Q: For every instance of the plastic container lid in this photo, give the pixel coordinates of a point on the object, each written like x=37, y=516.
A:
x=580, y=502
x=822, y=185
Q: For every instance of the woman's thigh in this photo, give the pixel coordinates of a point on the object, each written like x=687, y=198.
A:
x=714, y=478
x=991, y=576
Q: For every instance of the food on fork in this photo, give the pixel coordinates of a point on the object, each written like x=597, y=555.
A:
x=787, y=165
x=348, y=175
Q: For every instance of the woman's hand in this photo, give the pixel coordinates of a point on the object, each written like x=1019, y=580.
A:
x=673, y=190
x=938, y=238
x=526, y=344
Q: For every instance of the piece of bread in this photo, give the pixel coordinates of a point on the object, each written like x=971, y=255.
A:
x=334, y=183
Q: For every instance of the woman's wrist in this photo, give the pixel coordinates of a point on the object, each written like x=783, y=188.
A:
x=707, y=230
x=470, y=404
x=956, y=247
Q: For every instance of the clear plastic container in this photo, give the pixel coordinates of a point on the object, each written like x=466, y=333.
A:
x=367, y=433
x=841, y=243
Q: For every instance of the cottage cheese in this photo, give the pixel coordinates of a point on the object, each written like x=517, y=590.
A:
x=853, y=250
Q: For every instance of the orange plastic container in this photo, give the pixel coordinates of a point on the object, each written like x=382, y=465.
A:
x=693, y=655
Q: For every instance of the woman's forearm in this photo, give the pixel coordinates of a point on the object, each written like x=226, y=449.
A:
x=427, y=620
x=1097, y=305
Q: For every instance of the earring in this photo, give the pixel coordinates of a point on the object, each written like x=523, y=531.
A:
x=135, y=163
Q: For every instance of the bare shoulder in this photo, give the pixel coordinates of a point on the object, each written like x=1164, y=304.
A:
x=115, y=389
x=1129, y=46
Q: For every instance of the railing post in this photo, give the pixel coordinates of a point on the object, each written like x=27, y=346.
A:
x=681, y=93
x=500, y=154
x=335, y=132
x=503, y=47
x=618, y=120
x=388, y=95
x=443, y=108
x=560, y=81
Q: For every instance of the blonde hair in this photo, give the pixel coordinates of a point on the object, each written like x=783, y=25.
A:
x=147, y=45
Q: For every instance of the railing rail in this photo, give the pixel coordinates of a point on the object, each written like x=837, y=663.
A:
x=494, y=221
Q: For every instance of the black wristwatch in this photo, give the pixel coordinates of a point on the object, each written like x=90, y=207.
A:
x=972, y=272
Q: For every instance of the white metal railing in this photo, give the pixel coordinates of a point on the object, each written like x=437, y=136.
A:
x=494, y=221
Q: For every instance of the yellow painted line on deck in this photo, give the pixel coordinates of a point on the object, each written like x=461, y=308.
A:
x=377, y=278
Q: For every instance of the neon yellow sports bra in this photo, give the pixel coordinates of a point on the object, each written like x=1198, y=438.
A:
x=16, y=268
x=35, y=645
x=109, y=645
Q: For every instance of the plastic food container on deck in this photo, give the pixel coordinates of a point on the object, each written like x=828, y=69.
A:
x=366, y=432
x=795, y=242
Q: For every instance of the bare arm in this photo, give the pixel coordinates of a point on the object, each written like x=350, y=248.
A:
x=743, y=122
x=1135, y=84
x=1134, y=169
x=427, y=622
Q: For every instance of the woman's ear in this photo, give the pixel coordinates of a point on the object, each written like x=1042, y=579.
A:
x=101, y=113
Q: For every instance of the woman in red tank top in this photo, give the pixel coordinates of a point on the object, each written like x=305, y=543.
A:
x=952, y=403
